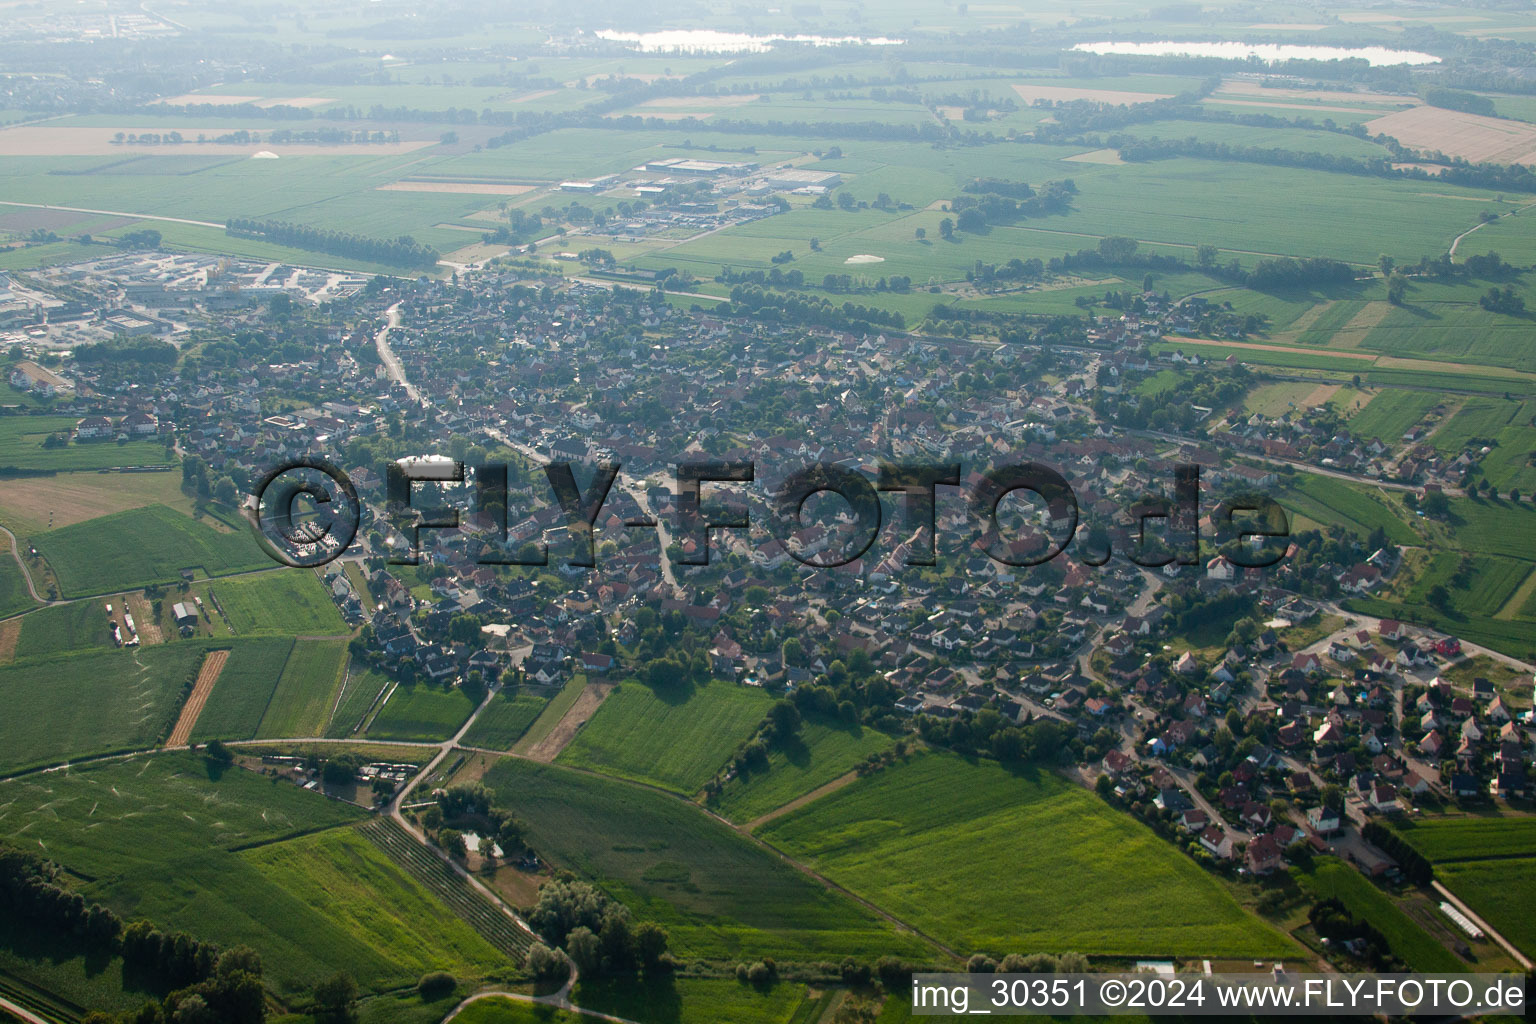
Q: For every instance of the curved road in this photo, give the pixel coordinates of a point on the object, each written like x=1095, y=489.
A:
x=26, y=573
x=392, y=364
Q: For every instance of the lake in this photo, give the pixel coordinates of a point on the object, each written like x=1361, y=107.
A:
x=710, y=41
x=1269, y=53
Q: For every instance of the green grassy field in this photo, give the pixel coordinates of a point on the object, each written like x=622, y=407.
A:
x=668, y=737
x=958, y=848
x=129, y=550
x=1355, y=507
x=22, y=437
x=503, y=723
x=64, y=627
x=155, y=837
x=377, y=920
x=421, y=712
x=670, y=1000
x=1390, y=414
x=306, y=691
x=1408, y=941
x=14, y=597
x=91, y=702
x=244, y=689
x=360, y=689
x=1500, y=891
x=823, y=751
x=289, y=601
x=718, y=894
x=1469, y=837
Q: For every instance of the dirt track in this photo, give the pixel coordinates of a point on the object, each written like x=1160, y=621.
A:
x=800, y=801
x=206, y=677
x=548, y=748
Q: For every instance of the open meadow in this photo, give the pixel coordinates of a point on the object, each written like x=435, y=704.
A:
x=824, y=751
x=285, y=601
x=957, y=848
x=144, y=546
x=676, y=737
x=720, y=895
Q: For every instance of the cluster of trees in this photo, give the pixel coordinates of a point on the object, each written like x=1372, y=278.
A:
x=207, y=986
x=404, y=251
x=775, y=277
x=1014, y=270
x=520, y=225
x=1032, y=963
x=128, y=350
x=1415, y=867
x=1456, y=99
x=476, y=803
x=1042, y=741
x=595, y=932
x=1333, y=921
x=30, y=893
x=146, y=238
x=776, y=306
x=1505, y=301
x=975, y=210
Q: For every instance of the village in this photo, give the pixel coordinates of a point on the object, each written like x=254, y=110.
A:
x=1295, y=723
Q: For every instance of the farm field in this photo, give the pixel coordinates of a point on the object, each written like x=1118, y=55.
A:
x=824, y=751
x=13, y=586
x=719, y=895
x=1499, y=891
x=503, y=723
x=29, y=503
x=360, y=688
x=383, y=925
x=421, y=712
x=553, y=712
x=1095, y=880
x=1409, y=942
x=1469, y=837
x=673, y=738
x=21, y=447
x=91, y=702
x=287, y=600
x=1329, y=501
x=306, y=691
x=60, y=628
x=129, y=826
x=244, y=689
x=1390, y=414
x=95, y=556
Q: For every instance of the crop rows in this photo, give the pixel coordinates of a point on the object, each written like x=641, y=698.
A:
x=439, y=879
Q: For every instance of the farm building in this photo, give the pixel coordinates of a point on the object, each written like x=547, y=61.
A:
x=185, y=614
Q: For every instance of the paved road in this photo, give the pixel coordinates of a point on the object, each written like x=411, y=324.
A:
x=116, y=213
x=392, y=364
x=21, y=1013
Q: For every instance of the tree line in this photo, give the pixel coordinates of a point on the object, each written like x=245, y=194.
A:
x=206, y=985
x=808, y=309
x=404, y=251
